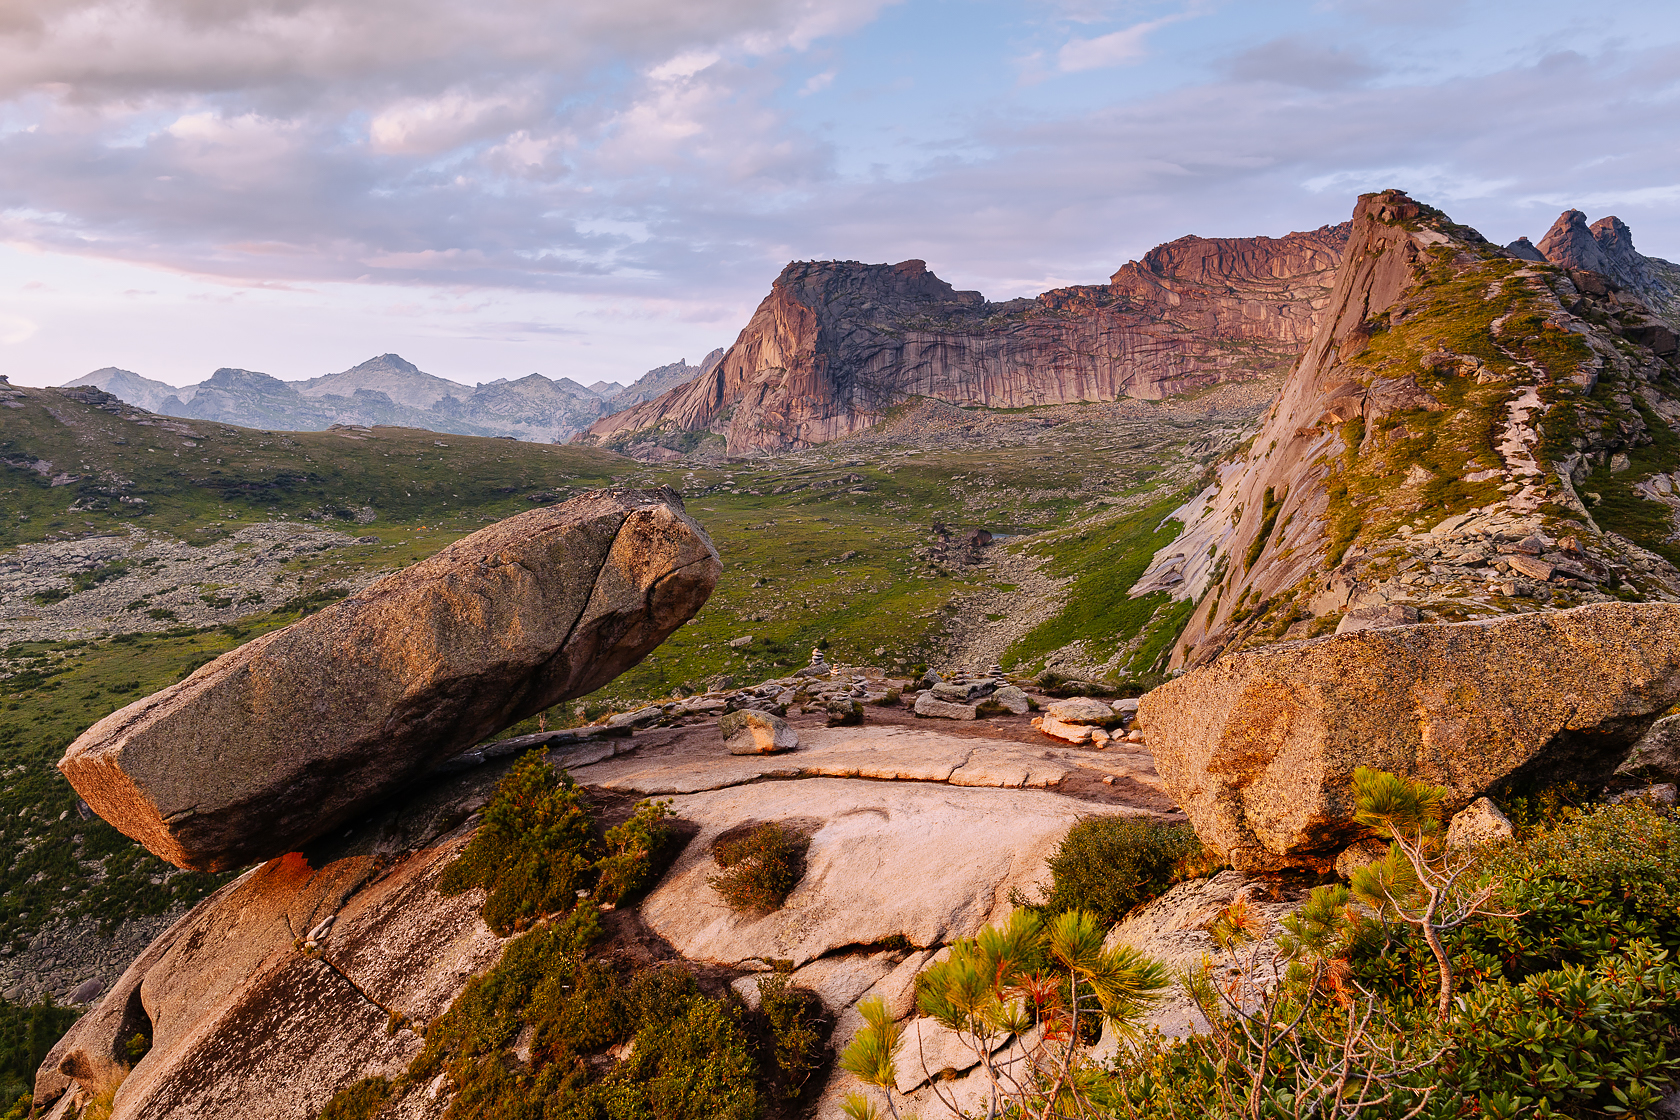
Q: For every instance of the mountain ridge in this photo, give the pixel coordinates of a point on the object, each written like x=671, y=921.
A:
x=837, y=343
x=1439, y=450
x=389, y=390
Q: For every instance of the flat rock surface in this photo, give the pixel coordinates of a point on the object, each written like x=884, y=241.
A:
x=692, y=760
x=918, y=860
x=291, y=734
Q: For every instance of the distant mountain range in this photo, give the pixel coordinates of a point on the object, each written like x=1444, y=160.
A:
x=390, y=390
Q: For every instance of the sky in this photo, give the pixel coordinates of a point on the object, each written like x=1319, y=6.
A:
x=591, y=188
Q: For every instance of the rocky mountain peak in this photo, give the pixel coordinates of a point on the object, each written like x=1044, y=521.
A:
x=824, y=284
x=1571, y=244
x=1606, y=247
x=228, y=378
x=1428, y=455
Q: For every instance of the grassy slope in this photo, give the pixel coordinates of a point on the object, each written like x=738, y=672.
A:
x=1099, y=610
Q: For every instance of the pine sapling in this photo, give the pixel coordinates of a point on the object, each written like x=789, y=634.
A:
x=1417, y=883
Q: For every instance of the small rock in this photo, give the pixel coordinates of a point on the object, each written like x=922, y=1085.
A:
x=1126, y=707
x=87, y=991
x=1531, y=566
x=1359, y=855
x=641, y=717
x=1478, y=823
x=1066, y=732
x=1099, y=737
x=1657, y=755
x=704, y=704
x=1081, y=709
x=747, y=988
x=1664, y=794
x=1013, y=699
x=753, y=732
x=844, y=713
x=742, y=642
x=930, y=706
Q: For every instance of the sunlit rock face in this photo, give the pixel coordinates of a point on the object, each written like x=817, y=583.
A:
x=837, y=343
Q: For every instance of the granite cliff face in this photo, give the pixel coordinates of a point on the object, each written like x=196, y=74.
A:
x=836, y=343
x=1470, y=433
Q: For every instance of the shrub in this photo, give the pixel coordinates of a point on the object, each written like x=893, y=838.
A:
x=760, y=868
x=691, y=1061
x=631, y=852
x=361, y=1101
x=796, y=1036
x=1578, y=1040
x=1588, y=887
x=530, y=851
x=1570, y=1007
x=1113, y=864
x=1048, y=983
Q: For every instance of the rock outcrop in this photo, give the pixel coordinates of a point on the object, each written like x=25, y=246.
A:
x=1429, y=457
x=293, y=733
x=303, y=975
x=1259, y=748
x=837, y=343
x=750, y=732
x=1606, y=247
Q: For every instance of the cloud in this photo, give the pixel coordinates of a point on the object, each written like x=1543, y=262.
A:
x=1299, y=62
x=654, y=156
x=818, y=82
x=428, y=125
x=15, y=329
x=1113, y=49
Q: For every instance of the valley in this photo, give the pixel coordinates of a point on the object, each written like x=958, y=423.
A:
x=865, y=547
x=1152, y=545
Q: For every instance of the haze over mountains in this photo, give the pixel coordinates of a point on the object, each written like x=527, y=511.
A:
x=391, y=391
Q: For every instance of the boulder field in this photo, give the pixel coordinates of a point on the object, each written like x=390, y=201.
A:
x=1259, y=748
x=290, y=735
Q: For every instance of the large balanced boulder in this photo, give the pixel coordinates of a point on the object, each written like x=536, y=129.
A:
x=293, y=733
x=1259, y=748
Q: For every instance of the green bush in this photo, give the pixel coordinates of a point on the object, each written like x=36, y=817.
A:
x=760, y=868
x=361, y=1101
x=1111, y=865
x=632, y=848
x=530, y=852
x=692, y=1056
x=1576, y=1040
x=1589, y=887
x=692, y=1061
x=1568, y=1003
x=796, y=1035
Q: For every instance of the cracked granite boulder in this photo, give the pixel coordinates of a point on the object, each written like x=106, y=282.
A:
x=304, y=975
x=1259, y=748
x=295, y=732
